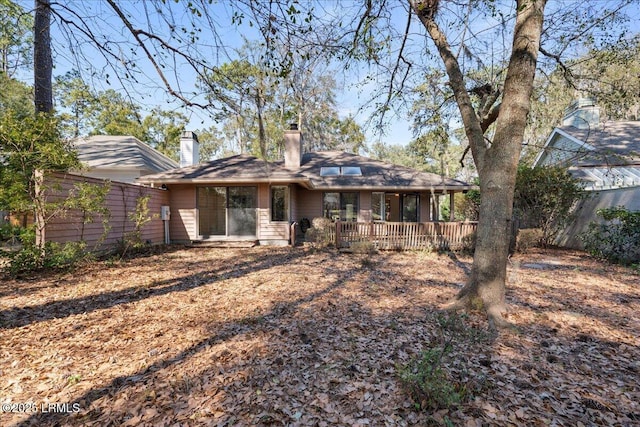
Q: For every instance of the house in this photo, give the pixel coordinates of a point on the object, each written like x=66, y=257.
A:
x=122, y=158
x=605, y=156
x=243, y=197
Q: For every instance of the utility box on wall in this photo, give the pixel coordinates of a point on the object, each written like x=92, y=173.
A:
x=165, y=213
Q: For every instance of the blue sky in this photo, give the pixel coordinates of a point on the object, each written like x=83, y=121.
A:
x=148, y=92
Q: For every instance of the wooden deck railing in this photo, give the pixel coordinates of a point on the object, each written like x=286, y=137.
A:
x=404, y=235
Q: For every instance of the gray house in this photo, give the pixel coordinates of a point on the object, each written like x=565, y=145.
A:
x=605, y=156
x=243, y=197
x=119, y=158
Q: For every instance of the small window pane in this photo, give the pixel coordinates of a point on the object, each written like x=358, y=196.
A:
x=377, y=206
x=330, y=171
x=349, y=206
x=331, y=206
x=351, y=171
x=280, y=203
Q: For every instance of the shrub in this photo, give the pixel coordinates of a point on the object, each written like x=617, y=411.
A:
x=322, y=232
x=430, y=380
x=617, y=239
x=528, y=238
x=9, y=231
x=427, y=383
x=544, y=198
x=55, y=256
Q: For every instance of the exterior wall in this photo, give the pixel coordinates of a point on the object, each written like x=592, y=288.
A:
x=425, y=207
x=364, y=214
x=269, y=232
x=121, y=201
x=586, y=212
x=309, y=204
x=183, y=226
x=559, y=150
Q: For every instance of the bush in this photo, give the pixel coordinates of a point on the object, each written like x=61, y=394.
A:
x=54, y=255
x=617, y=239
x=544, y=198
x=438, y=379
x=427, y=383
x=322, y=232
x=10, y=232
x=528, y=238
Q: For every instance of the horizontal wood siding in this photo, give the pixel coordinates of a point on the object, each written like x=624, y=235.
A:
x=267, y=229
x=405, y=235
x=121, y=202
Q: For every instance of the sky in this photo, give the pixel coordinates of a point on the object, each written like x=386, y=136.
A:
x=109, y=30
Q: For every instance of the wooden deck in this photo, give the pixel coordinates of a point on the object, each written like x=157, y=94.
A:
x=404, y=235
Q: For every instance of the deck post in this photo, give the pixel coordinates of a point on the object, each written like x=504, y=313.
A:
x=452, y=216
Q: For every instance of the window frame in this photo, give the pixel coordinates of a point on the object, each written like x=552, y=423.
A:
x=341, y=205
x=286, y=206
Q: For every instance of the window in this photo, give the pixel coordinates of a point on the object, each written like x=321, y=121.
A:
x=330, y=171
x=340, y=206
x=280, y=203
x=378, y=206
x=351, y=171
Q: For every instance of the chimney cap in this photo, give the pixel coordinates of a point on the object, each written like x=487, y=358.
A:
x=187, y=134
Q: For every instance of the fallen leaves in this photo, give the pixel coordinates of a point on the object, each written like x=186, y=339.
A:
x=281, y=336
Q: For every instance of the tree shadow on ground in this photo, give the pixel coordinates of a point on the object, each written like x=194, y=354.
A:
x=301, y=366
x=17, y=317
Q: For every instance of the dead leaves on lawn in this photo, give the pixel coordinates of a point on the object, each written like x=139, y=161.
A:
x=281, y=336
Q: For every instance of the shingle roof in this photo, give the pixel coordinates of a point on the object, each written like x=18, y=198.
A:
x=108, y=151
x=614, y=142
x=376, y=175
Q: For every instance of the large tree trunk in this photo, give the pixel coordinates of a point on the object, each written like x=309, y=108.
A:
x=42, y=62
x=43, y=99
x=496, y=161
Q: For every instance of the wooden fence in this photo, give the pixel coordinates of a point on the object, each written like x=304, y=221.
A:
x=121, y=203
x=405, y=235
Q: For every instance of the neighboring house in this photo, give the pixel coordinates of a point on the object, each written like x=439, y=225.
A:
x=605, y=156
x=243, y=197
x=121, y=158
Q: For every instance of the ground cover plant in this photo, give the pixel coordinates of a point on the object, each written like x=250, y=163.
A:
x=281, y=336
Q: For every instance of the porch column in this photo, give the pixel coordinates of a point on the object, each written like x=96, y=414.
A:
x=435, y=207
x=452, y=216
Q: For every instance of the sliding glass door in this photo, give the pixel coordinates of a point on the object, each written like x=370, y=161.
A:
x=226, y=211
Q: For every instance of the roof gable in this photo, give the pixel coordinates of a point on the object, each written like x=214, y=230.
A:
x=610, y=144
x=120, y=152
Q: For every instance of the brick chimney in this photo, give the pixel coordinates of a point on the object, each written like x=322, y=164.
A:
x=292, y=147
x=189, y=149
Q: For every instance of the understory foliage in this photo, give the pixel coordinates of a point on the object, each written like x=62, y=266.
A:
x=55, y=255
x=617, y=239
x=544, y=198
x=428, y=378
x=322, y=233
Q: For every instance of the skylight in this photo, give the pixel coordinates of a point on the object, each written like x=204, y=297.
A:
x=351, y=171
x=340, y=171
x=330, y=171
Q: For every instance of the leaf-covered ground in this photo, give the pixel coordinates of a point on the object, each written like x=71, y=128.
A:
x=281, y=336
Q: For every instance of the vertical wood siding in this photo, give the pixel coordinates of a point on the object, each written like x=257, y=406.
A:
x=121, y=202
x=184, y=215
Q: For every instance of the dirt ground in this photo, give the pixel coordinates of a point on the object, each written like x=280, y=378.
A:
x=282, y=336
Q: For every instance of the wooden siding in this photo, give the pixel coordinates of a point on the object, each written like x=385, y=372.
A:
x=404, y=235
x=183, y=226
x=269, y=230
x=121, y=202
x=309, y=204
